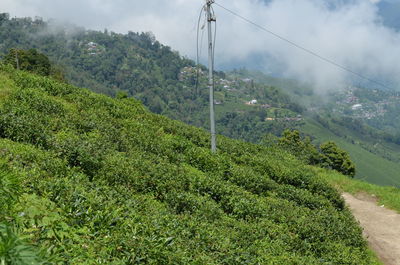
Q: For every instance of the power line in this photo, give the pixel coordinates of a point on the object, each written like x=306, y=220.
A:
x=303, y=48
x=215, y=35
x=197, y=45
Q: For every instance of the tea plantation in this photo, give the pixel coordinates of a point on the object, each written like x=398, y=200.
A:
x=87, y=179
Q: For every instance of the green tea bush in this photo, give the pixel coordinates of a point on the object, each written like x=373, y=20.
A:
x=40, y=102
x=38, y=162
x=103, y=181
x=22, y=124
x=13, y=250
x=85, y=151
x=54, y=88
x=9, y=189
x=205, y=161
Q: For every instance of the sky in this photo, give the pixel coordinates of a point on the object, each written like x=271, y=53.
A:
x=348, y=32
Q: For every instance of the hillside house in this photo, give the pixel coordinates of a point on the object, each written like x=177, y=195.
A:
x=252, y=102
x=356, y=107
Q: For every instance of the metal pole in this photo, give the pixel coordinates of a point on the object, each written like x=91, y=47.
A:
x=210, y=19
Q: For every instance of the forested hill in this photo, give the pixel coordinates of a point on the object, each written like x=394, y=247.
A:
x=136, y=63
x=104, y=62
x=87, y=179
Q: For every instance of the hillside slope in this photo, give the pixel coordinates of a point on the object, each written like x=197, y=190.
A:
x=165, y=82
x=370, y=167
x=137, y=64
x=96, y=180
x=375, y=150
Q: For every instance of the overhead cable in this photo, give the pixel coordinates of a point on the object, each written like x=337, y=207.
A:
x=315, y=54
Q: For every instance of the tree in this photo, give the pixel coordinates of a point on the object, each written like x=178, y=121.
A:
x=301, y=148
x=4, y=17
x=29, y=60
x=328, y=156
x=337, y=159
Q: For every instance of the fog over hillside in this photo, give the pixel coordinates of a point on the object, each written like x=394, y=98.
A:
x=352, y=33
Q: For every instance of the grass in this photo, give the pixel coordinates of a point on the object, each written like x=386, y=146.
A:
x=385, y=195
x=388, y=196
x=231, y=106
x=370, y=167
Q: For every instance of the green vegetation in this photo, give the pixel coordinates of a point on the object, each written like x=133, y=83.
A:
x=335, y=158
x=13, y=249
x=328, y=155
x=301, y=147
x=303, y=94
x=369, y=135
x=372, y=167
x=137, y=65
x=103, y=181
x=387, y=196
x=33, y=61
x=29, y=60
x=165, y=82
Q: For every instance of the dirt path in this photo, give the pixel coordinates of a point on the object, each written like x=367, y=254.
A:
x=381, y=226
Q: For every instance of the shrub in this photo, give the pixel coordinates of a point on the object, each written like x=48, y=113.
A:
x=102, y=181
x=13, y=250
x=337, y=159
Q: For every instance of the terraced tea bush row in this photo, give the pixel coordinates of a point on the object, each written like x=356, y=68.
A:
x=103, y=181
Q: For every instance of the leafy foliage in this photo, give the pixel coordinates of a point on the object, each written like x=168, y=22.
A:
x=9, y=189
x=329, y=155
x=139, y=66
x=33, y=61
x=337, y=159
x=13, y=249
x=29, y=60
x=103, y=181
x=301, y=148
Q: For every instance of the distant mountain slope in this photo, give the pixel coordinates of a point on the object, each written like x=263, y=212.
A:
x=329, y=117
x=139, y=66
x=101, y=180
x=371, y=167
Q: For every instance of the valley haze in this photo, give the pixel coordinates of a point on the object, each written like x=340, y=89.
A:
x=352, y=33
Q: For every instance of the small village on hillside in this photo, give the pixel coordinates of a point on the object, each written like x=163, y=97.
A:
x=364, y=103
x=239, y=88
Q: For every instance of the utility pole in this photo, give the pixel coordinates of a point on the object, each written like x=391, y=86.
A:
x=210, y=19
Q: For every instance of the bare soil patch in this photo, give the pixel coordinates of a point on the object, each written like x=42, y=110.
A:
x=381, y=226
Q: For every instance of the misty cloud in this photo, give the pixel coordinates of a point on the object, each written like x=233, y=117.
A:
x=350, y=32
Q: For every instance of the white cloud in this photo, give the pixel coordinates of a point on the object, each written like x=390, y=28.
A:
x=351, y=33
